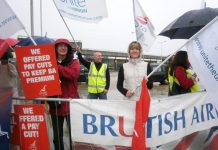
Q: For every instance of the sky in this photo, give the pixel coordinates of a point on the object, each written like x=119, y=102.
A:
x=113, y=33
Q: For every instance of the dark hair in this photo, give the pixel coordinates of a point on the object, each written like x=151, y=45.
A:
x=180, y=59
x=69, y=57
x=7, y=56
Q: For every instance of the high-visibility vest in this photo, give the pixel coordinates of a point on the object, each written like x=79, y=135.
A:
x=195, y=87
x=170, y=80
x=97, y=79
x=189, y=73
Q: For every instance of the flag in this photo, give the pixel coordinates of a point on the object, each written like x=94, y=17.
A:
x=203, y=54
x=92, y=11
x=9, y=22
x=141, y=116
x=143, y=27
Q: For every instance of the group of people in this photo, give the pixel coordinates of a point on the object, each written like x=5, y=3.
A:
x=129, y=78
x=181, y=77
x=130, y=75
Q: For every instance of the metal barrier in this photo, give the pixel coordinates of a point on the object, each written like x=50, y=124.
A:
x=75, y=145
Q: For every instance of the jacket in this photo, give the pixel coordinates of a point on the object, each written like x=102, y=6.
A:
x=181, y=82
x=130, y=76
x=69, y=75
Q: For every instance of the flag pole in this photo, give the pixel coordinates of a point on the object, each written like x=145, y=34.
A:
x=19, y=22
x=195, y=35
x=65, y=24
x=203, y=4
x=31, y=38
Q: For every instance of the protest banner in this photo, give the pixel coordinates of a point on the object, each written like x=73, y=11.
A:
x=90, y=11
x=38, y=71
x=31, y=124
x=203, y=53
x=113, y=120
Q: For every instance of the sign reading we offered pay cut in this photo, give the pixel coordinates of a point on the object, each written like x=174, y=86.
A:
x=38, y=71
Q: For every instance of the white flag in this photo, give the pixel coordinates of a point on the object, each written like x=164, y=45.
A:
x=144, y=29
x=91, y=11
x=203, y=56
x=9, y=23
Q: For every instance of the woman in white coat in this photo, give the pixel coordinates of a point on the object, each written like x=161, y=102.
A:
x=131, y=73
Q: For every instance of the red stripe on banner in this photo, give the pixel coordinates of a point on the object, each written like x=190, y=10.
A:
x=213, y=144
x=142, y=110
x=121, y=127
x=186, y=142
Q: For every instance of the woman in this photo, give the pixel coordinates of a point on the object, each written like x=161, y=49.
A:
x=69, y=70
x=131, y=73
x=183, y=80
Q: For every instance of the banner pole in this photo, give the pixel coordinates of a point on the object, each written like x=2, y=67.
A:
x=65, y=24
x=31, y=38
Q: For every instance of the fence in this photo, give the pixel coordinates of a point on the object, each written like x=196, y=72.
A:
x=16, y=137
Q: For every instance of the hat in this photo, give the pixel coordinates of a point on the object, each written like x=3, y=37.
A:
x=65, y=41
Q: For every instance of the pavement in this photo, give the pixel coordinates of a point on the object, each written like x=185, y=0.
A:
x=158, y=91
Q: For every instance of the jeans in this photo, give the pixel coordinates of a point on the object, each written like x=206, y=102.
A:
x=97, y=96
x=57, y=123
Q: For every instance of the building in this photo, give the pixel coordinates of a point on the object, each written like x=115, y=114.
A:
x=116, y=59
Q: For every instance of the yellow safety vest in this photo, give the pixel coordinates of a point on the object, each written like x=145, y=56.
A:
x=170, y=80
x=189, y=73
x=195, y=87
x=96, y=79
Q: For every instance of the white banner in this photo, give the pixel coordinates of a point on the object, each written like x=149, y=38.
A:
x=144, y=29
x=203, y=54
x=104, y=122
x=91, y=11
x=111, y=122
x=177, y=116
x=9, y=23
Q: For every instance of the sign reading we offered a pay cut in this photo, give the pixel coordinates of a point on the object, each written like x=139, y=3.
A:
x=38, y=71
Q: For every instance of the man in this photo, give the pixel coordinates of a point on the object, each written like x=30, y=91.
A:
x=98, y=76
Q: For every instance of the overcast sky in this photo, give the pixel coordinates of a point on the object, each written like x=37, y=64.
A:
x=116, y=31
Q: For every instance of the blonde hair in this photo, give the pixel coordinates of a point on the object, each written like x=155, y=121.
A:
x=134, y=44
